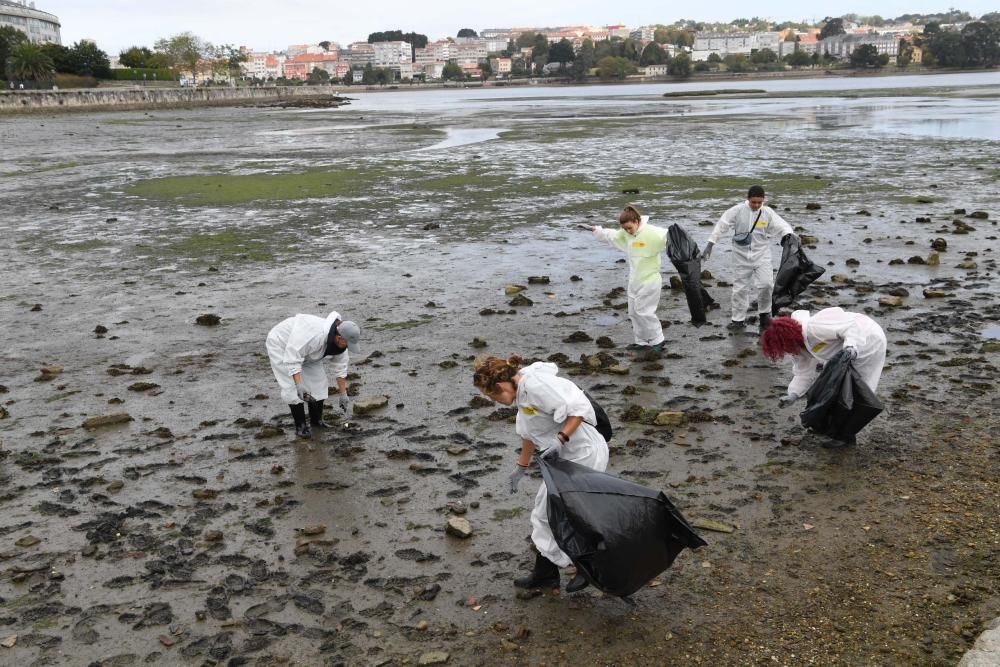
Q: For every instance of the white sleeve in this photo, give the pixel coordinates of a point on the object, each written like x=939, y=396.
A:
x=835, y=323
x=339, y=364
x=778, y=228
x=560, y=398
x=723, y=226
x=613, y=237
x=803, y=374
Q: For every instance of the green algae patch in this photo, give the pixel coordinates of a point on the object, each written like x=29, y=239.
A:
x=208, y=190
x=720, y=187
x=401, y=326
x=92, y=244
x=41, y=169
x=226, y=246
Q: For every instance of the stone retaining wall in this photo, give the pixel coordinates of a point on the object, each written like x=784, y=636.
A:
x=102, y=99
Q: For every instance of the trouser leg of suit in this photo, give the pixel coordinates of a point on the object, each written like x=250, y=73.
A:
x=763, y=275
x=741, y=292
x=871, y=359
x=642, y=303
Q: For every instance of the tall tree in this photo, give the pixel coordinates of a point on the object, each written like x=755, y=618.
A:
x=30, y=62
x=652, y=55
x=10, y=39
x=982, y=44
x=865, y=56
x=135, y=56
x=467, y=32
x=584, y=60
x=832, y=27
x=185, y=50
x=680, y=66
x=231, y=59
x=561, y=51
x=325, y=45
x=613, y=67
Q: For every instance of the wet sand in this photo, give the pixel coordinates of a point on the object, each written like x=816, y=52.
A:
x=200, y=530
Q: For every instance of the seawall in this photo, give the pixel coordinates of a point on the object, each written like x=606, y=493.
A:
x=121, y=99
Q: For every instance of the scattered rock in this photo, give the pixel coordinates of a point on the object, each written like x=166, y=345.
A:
x=890, y=301
x=578, y=337
x=521, y=300
x=143, y=386
x=433, y=658
x=100, y=330
x=478, y=342
x=979, y=215
x=669, y=419
x=933, y=259
x=806, y=239
x=676, y=283
x=934, y=294
x=839, y=278
x=459, y=527
x=432, y=225
x=49, y=373
x=27, y=541
x=205, y=494
x=898, y=291
x=107, y=420
x=852, y=262
x=709, y=524
x=939, y=244
x=813, y=206
x=538, y=280
x=367, y=405
x=513, y=289
x=605, y=343
x=208, y=320
x=967, y=264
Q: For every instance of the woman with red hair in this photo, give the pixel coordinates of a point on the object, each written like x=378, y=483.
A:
x=821, y=337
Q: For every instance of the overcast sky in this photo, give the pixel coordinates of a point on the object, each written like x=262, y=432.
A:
x=266, y=25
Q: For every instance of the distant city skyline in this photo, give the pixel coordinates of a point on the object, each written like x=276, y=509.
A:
x=269, y=25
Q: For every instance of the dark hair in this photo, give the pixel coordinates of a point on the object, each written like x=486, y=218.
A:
x=491, y=371
x=755, y=191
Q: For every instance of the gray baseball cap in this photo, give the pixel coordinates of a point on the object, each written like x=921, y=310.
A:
x=351, y=332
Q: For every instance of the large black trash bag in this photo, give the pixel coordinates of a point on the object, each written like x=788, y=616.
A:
x=618, y=534
x=839, y=403
x=686, y=258
x=795, y=273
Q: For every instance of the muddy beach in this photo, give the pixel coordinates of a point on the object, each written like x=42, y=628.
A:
x=186, y=525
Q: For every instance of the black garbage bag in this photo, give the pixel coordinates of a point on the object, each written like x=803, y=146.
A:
x=618, y=534
x=686, y=258
x=795, y=273
x=839, y=403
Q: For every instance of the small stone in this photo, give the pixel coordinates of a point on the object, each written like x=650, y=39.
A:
x=205, y=494
x=521, y=300
x=167, y=640
x=367, y=405
x=107, y=420
x=478, y=342
x=116, y=486
x=890, y=301
x=933, y=259
x=934, y=293
x=898, y=291
x=676, y=283
x=979, y=215
x=459, y=527
x=314, y=530
x=538, y=280
x=88, y=551
x=852, y=262
x=433, y=658
x=916, y=259
x=669, y=419
x=431, y=225
x=807, y=240
x=208, y=320
x=605, y=343
x=213, y=536
x=939, y=244
x=967, y=264
x=143, y=386
x=8, y=642
x=513, y=289
x=37, y=308
x=578, y=337
x=27, y=541
x=48, y=373
x=100, y=329
x=839, y=278
x=813, y=206
x=422, y=625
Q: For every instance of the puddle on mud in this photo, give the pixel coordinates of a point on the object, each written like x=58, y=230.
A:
x=463, y=137
x=992, y=332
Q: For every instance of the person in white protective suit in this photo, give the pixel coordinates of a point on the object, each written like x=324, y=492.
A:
x=296, y=347
x=821, y=337
x=555, y=415
x=642, y=244
x=754, y=228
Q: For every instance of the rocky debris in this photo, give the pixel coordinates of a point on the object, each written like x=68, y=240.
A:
x=916, y=259
x=669, y=419
x=850, y=261
x=933, y=259
x=431, y=225
x=538, y=280
x=521, y=300
x=806, y=239
x=578, y=337
x=49, y=373
x=143, y=386
x=676, y=283
x=813, y=206
x=605, y=343
x=510, y=290
x=710, y=524
x=979, y=215
x=939, y=244
x=37, y=308
x=268, y=431
x=890, y=301
x=27, y=541
x=208, y=320
x=930, y=293
x=961, y=227
x=433, y=658
x=368, y=405
x=3, y=412
x=967, y=264
x=459, y=527
x=92, y=423
x=478, y=342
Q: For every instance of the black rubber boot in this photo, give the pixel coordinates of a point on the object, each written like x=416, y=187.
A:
x=765, y=321
x=301, y=425
x=316, y=414
x=545, y=573
x=577, y=583
x=736, y=325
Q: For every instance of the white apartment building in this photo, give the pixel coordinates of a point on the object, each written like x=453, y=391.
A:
x=391, y=54
x=359, y=54
x=497, y=33
x=40, y=27
x=842, y=46
x=469, y=53
x=645, y=33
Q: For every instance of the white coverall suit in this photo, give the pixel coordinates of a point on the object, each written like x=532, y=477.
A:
x=642, y=252
x=298, y=345
x=826, y=334
x=751, y=263
x=544, y=402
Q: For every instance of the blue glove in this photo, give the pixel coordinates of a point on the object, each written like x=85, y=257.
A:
x=788, y=400
x=707, y=252
x=345, y=404
x=851, y=353
x=304, y=395
x=515, y=477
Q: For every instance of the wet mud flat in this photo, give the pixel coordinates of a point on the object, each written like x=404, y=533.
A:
x=157, y=509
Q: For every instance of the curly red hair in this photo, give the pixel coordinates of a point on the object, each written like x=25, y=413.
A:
x=783, y=336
